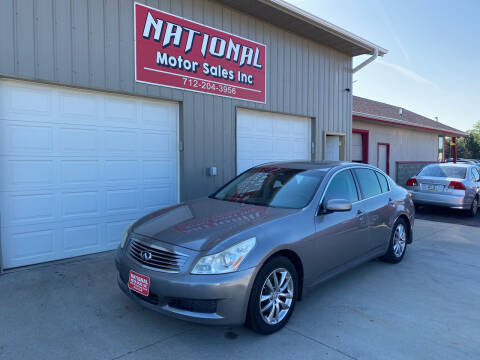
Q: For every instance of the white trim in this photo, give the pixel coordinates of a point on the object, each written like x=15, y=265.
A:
x=324, y=25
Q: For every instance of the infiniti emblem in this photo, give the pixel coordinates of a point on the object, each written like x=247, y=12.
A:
x=146, y=255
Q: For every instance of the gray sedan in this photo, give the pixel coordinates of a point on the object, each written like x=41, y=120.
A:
x=456, y=186
x=250, y=251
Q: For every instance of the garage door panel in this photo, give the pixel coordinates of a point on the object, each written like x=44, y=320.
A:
x=79, y=172
x=40, y=139
x=158, y=143
x=158, y=197
x=78, y=166
x=265, y=137
x=158, y=171
x=28, y=173
x=120, y=141
x=24, y=245
x=121, y=171
x=122, y=200
x=21, y=102
x=75, y=107
x=157, y=118
x=114, y=230
x=27, y=208
x=78, y=140
x=121, y=112
x=80, y=204
x=81, y=238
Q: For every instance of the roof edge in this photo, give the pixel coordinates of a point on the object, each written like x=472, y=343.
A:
x=393, y=121
x=303, y=15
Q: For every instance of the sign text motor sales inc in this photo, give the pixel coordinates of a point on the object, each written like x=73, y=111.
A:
x=176, y=52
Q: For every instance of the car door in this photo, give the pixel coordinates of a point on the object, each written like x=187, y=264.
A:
x=379, y=206
x=340, y=236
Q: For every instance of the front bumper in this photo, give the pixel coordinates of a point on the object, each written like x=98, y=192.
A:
x=221, y=299
x=445, y=200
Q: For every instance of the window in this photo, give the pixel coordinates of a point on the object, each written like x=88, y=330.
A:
x=273, y=186
x=383, y=182
x=342, y=187
x=440, y=171
x=441, y=149
x=368, y=182
x=476, y=175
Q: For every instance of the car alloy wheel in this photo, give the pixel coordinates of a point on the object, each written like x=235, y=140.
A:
x=276, y=296
x=399, y=240
x=273, y=296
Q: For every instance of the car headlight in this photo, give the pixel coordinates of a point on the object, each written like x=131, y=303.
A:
x=226, y=261
x=126, y=234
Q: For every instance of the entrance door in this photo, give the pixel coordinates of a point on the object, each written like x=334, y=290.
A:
x=383, y=157
x=332, y=147
x=357, y=148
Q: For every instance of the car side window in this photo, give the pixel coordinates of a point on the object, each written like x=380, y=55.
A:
x=476, y=175
x=383, y=182
x=342, y=187
x=369, y=184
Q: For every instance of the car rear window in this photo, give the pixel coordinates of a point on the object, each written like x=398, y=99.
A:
x=368, y=183
x=457, y=172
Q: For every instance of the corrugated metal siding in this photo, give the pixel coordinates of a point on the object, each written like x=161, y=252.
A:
x=405, y=144
x=89, y=43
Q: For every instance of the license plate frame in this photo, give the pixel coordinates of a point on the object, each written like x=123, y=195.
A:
x=139, y=283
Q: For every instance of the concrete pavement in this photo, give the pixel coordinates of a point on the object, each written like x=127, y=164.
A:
x=426, y=307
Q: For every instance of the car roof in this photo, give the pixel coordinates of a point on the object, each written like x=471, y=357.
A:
x=458, y=164
x=312, y=164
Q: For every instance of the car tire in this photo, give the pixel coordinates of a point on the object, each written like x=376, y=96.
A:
x=398, y=243
x=474, y=209
x=273, y=296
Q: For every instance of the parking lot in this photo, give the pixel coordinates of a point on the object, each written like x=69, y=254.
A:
x=426, y=307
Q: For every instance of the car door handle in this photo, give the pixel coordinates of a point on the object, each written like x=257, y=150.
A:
x=359, y=212
x=390, y=201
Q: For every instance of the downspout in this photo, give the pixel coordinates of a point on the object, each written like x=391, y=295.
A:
x=366, y=62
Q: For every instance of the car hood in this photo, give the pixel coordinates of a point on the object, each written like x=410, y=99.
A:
x=201, y=224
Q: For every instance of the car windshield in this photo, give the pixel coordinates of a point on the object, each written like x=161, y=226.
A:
x=273, y=186
x=457, y=172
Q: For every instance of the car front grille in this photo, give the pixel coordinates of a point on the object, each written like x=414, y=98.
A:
x=156, y=257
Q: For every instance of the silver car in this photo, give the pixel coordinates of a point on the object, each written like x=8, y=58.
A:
x=456, y=186
x=250, y=251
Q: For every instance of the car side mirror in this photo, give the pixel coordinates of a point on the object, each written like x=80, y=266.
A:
x=337, y=205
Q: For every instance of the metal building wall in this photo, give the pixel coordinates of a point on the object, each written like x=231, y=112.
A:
x=89, y=43
x=405, y=144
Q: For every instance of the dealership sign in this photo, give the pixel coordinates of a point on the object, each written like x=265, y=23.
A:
x=176, y=52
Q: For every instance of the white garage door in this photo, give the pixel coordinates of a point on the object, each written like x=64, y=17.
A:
x=263, y=137
x=76, y=167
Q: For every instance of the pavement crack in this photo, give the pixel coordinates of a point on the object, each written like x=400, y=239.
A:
x=321, y=343
x=152, y=344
